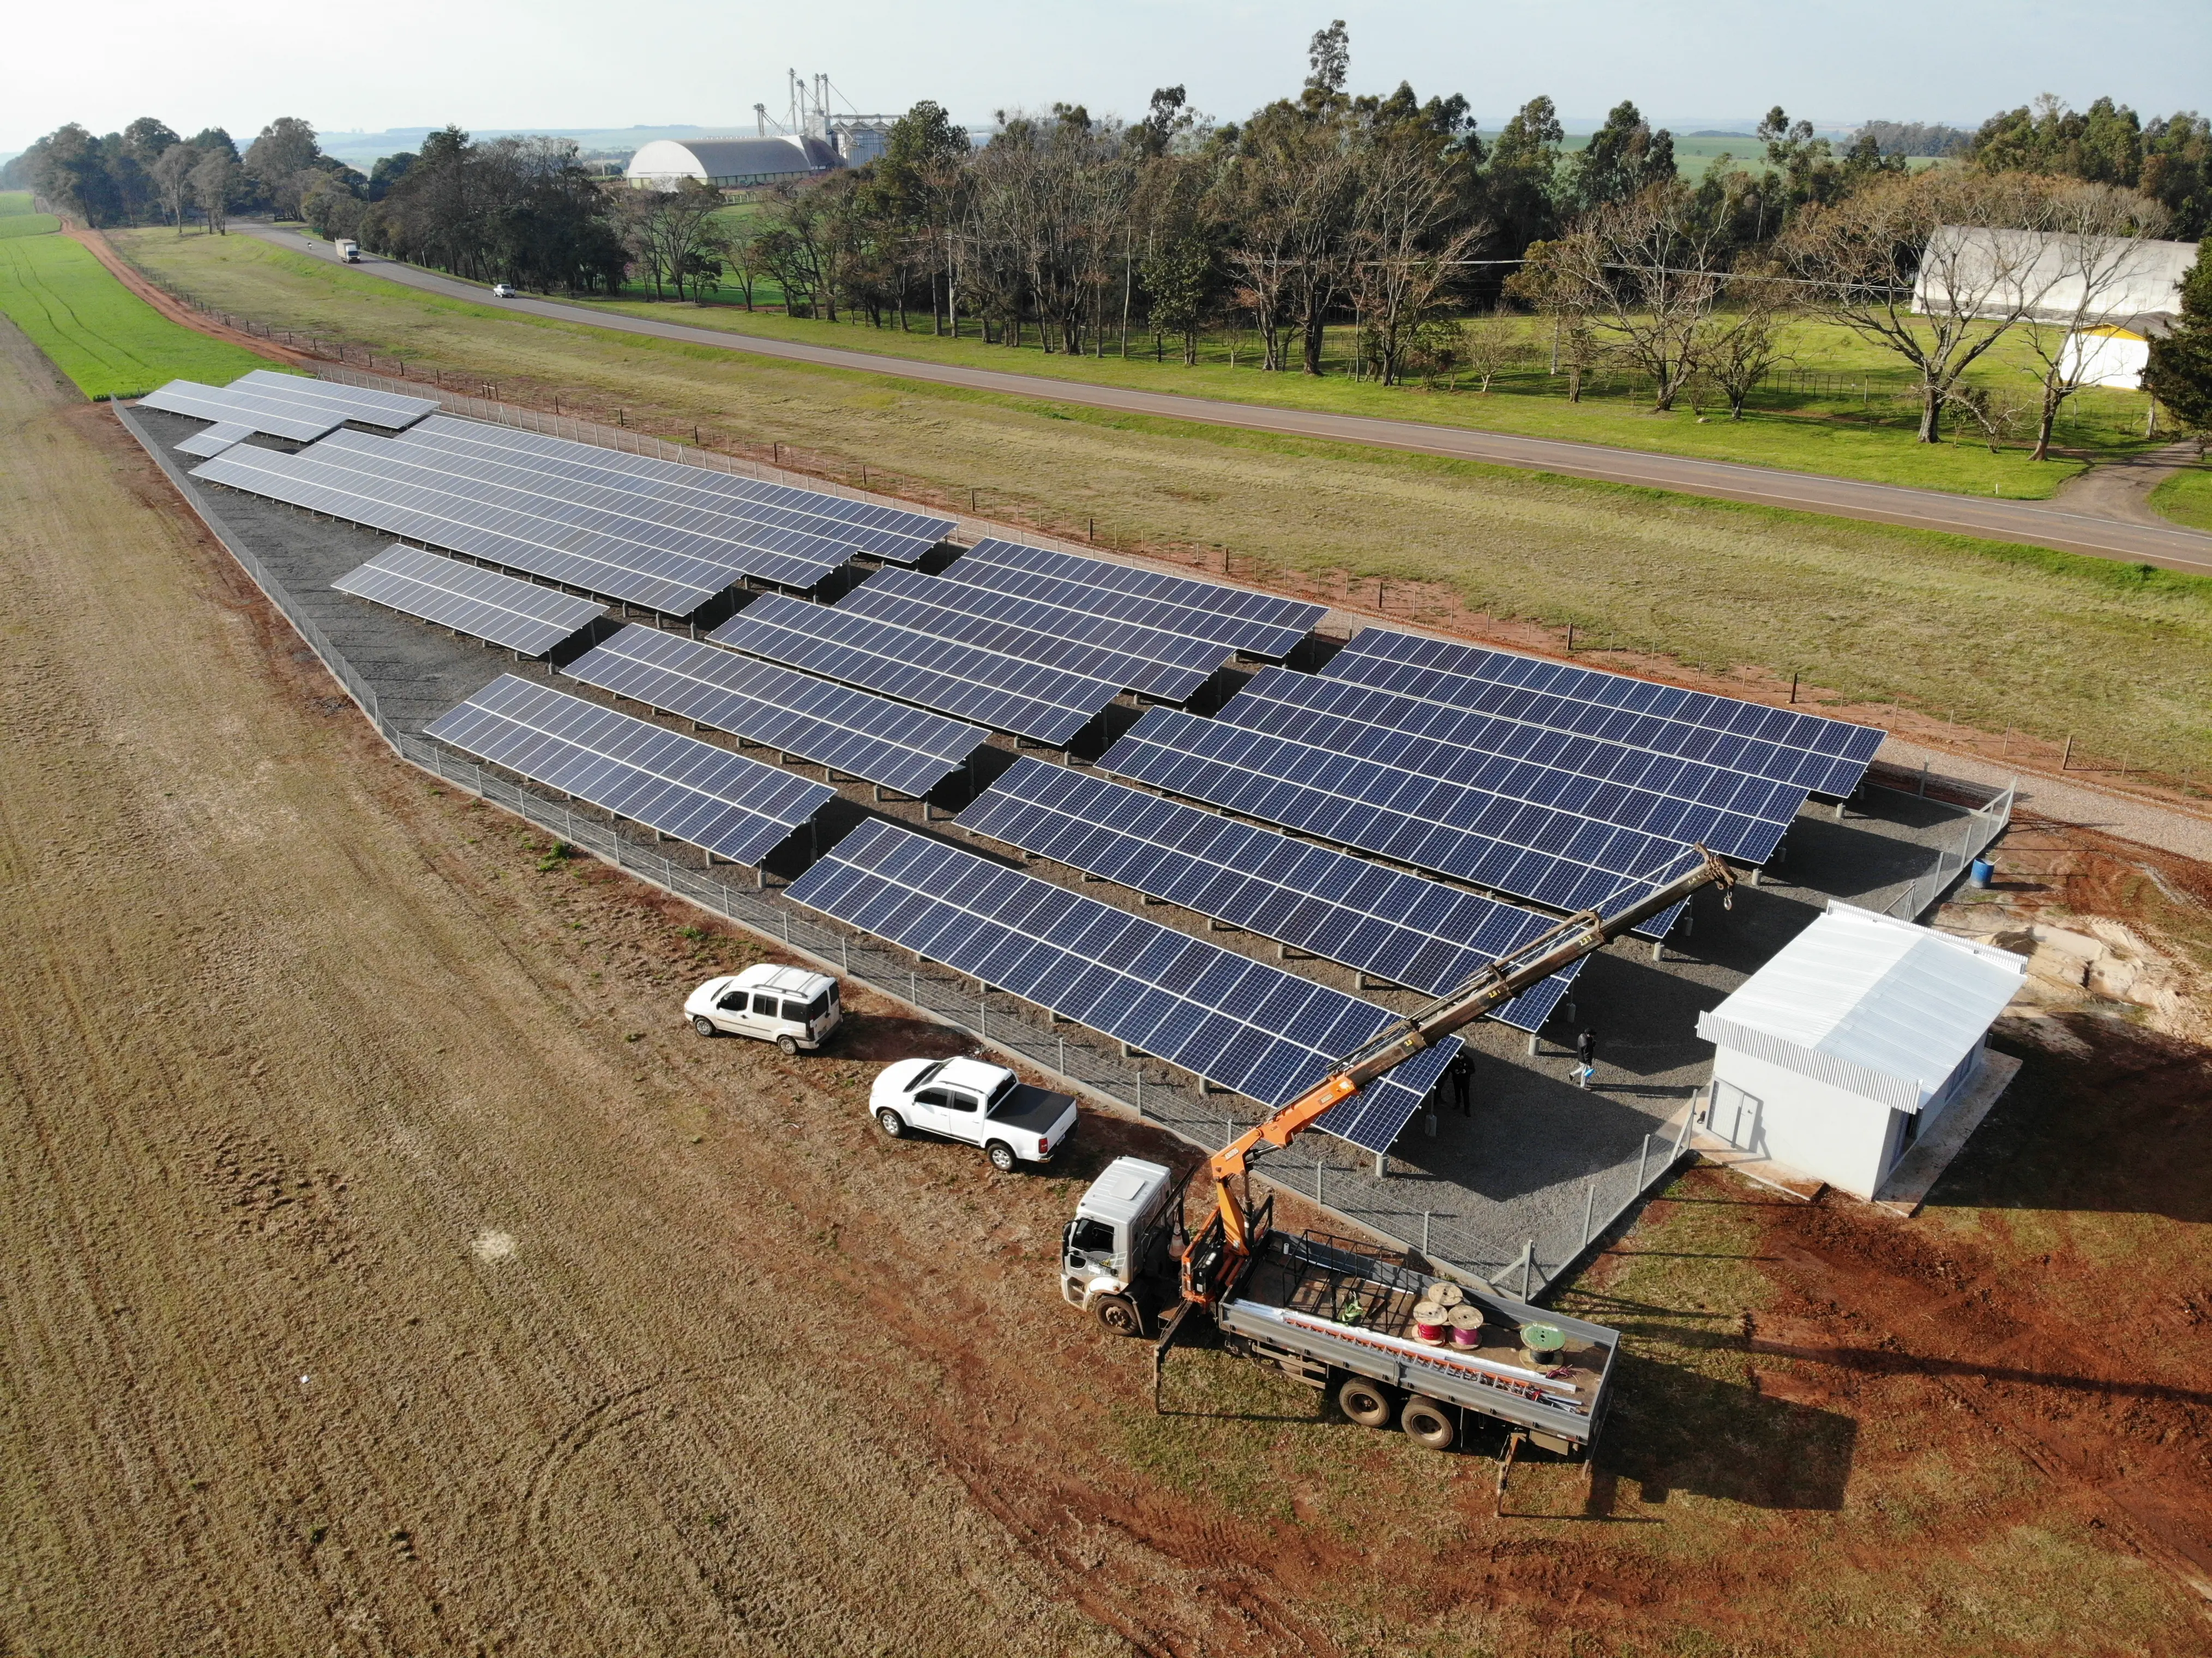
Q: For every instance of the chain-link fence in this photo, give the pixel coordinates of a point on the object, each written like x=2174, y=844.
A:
x=1403, y=1203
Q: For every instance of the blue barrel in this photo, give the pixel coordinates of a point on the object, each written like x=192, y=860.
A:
x=1982, y=873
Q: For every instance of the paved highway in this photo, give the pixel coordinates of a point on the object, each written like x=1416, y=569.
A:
x=2037, y=523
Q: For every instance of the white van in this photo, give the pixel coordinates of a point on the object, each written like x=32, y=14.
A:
x=786, y=1005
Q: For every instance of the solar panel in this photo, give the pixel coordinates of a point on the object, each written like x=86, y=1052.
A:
x=929, y=527
x=997, y=691
x=1168, y=666
x=1259, y=624
x=1612, y=783
x=883, y=742
x=1524, y=851
x=1827, y=756
x=214, y=439
x=387, y=411
x=519, y=614
x=1237, y=1023
x=219, y=403
x=706, y=796
x=1401, y=927
x=660, y=582
x=745, y=521
x=779, y=555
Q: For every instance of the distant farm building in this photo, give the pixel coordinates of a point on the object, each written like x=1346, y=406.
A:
x=1993, y=272
x=729, y=163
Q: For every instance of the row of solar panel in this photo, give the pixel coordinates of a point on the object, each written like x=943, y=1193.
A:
x=284, y=406
x=1240, y=1024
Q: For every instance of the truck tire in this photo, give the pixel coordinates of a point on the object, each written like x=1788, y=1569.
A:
x=789, y=1045
x=1367, y=1403
x=1002, y=1156
x=892, y=1124
x=703, y=1024
x=1427, y=1424
x=1120, y=1315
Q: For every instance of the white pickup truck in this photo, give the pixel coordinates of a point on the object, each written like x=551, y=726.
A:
x=971, y=1100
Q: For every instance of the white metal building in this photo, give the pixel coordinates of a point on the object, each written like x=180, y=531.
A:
x=1840, y=1052
x=729, y=163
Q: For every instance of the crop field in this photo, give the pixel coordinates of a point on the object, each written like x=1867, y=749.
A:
x=393, y=1272
x=108, y=341
x=1975, y=633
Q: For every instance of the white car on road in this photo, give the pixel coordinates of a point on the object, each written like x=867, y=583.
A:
x=501, y=291
x=975, y=1101
x=786, y=1005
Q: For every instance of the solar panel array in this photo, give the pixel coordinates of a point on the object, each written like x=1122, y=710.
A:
x=214, y=439
x=405, y=501
x=967, y=681
x=1810, y=751
x=1240, y=1024
x=1258, y=624
x=520, y=614
x=278, y=417
x=584, y=507
x=896, y=533
x=1536, y=852
x=1397, y=926
x=866, y=736
x=390, y=412
x=709, y=797
x=1683, y=800
x=1166, y=666
x=689, y=497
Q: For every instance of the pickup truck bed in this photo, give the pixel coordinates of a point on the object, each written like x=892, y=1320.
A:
x=1036, y=1109
x=1329, y=1306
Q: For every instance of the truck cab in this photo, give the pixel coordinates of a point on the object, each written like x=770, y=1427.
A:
x=972, y=1100
x=1117, y=1258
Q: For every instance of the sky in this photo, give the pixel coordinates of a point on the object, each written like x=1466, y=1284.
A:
x=569, y=64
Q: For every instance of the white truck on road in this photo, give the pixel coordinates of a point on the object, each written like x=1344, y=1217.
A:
x=349, y=250
x=975, y=1101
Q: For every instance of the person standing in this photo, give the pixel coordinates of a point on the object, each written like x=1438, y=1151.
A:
x=1585, y=1058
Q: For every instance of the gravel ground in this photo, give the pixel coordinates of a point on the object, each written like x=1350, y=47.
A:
x=1534, y=1157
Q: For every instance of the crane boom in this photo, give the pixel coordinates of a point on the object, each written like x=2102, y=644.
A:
x=1489, y=988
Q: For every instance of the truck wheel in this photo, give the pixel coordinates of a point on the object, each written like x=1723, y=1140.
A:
x=1367, y=1403
x=1119, y=1314
x=893, y=1125
x=703, y=1024
x=789, y=1045
x=1001, y=1156
x=1427, y=1424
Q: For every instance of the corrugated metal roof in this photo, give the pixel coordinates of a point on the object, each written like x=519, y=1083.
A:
x=1878, y=1005
x=731, y=158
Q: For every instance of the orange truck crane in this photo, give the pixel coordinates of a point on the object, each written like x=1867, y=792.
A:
x=1389, y=1341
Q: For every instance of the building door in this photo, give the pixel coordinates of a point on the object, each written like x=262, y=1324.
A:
x=1733, y=1115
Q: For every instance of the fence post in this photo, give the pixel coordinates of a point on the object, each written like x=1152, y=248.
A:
x=1426, y=1216
x=1589, y=1209
x=1642, y=1154
x=1063, y=1056
x=1527, y=1266
x=1318, y=1167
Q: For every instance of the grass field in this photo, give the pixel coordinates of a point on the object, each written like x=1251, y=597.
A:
x=14, y=203
x=1999, y=636
x=2186, y=498
x=111, y=342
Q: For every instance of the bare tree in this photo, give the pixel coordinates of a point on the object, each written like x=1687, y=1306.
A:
x=1741, y=342
x=1930, y=267
x=1644, y=274
x=1489, y=347
x=2098, y=275
x=215, y=184
x=1404, y=244
x=172, y=177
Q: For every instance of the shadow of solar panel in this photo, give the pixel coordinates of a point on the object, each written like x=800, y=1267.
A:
x=1001, y=692
x=386, y=410
x=693, y=792
x=229, y=408
x=1059, y=639
x=1397, y=926
x=519, y=614
x=853, y=731
x=1549, y=858
x=214, y=439
x=1237, y=1023
x=668, y=500
x=929, y=528
x=1810, y=751
x=666, y=582
x=1741, y=817
x=1259, y=624
x=776, y=555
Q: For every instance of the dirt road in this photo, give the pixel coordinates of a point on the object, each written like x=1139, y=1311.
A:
x=2084, y=531
x=387, y=1271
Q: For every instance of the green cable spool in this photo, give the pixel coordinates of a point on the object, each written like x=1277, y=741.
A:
x=1543, y=1339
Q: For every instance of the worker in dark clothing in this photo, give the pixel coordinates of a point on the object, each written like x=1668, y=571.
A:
x=1462, y=1083
x=1585, y=1058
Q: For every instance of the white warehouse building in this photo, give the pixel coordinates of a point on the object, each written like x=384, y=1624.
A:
x=729, y=163
x=1837, y=1056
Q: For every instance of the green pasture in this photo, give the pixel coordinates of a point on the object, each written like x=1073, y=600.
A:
x=2186, y=497
x=106, y=339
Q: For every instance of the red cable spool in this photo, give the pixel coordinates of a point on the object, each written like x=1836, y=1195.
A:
x=1432, y=1323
